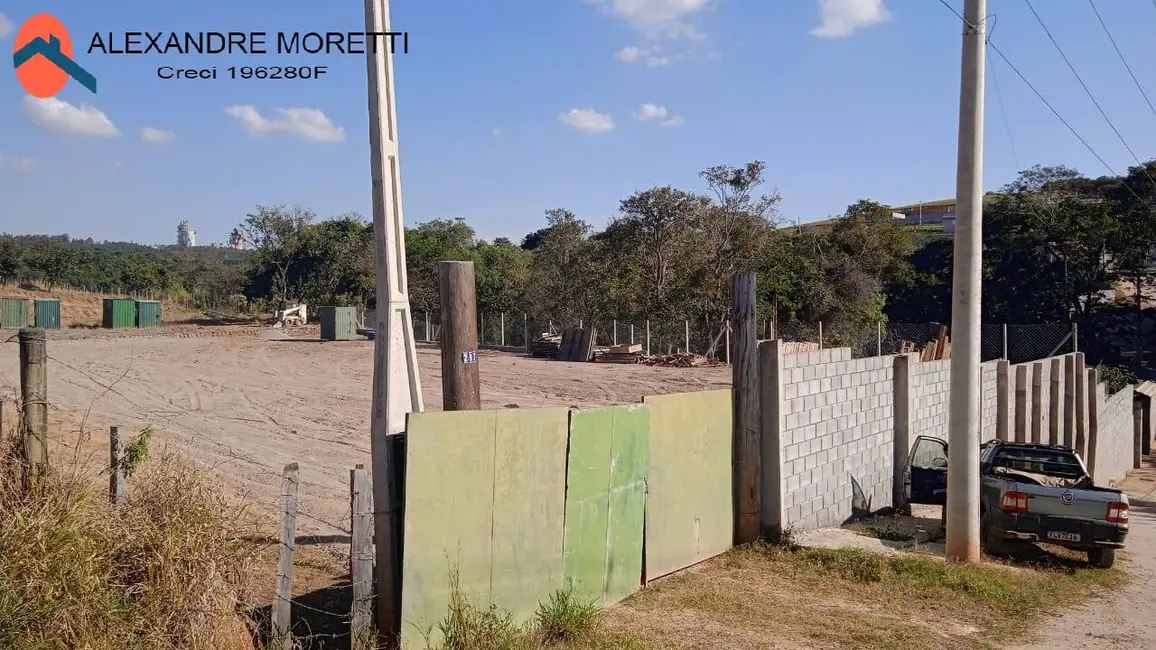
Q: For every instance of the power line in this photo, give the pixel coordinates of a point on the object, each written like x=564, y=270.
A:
x=1088, y=91
x=1003, y=113
x=1120, y=54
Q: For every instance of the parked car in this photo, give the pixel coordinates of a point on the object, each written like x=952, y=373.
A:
x=1029, y=493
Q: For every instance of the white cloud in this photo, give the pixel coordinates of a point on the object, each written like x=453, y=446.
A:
x=304, y=123
x=629, y=54
x=6, y=26
x=656, y=61
x=155, y=136
x=650, y=112
x=677, y=120
x=656, y=18
x=587, y=120
x=839, y=18
x=57, y=116
x=17, y=163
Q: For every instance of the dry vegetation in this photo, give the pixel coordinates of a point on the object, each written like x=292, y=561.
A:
x=165, y=571
x=777, y=597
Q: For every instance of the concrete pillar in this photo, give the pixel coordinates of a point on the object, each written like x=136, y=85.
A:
x=1002, y=397
x=771, y=424
x=1021, y=404
x=1037, y=427
x=902, y=411
x=1069, y=401
x=1055, y=405
x=1081, y=392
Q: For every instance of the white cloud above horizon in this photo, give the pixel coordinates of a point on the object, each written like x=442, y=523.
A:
x=17, y=163
x=155, y=136
x=842, y=18
x=587, y=120
x=304, y=123
x=6, y=25
x=635, y=54
x=657, y=114
x=57, y=116
x=655, y=19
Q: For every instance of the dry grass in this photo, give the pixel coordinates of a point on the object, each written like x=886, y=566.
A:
x=165, y=571
x=776, y=597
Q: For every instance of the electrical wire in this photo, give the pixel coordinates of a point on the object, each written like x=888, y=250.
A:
x=1120, y=54
x=1088, y=91
x=999, y=100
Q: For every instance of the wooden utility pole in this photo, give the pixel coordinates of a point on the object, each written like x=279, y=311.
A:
x=745, y=379
x=34, y=397
x=461, y=385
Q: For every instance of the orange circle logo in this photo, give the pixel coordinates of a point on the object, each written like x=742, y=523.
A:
x=41, y=77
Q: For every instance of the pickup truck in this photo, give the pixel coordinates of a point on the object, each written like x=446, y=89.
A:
x=1028, y=493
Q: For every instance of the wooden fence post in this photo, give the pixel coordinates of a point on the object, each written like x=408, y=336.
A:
x=115, y=466
x=34, y=397
x=745, y=379
x=461, y=383
x=282, y=634
x=361, y=558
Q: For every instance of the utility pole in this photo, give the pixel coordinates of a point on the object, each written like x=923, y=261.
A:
x=461, y=384
x=396, y=385
x=962, y=510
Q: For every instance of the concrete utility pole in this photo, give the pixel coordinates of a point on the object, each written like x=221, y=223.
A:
x=396, y=385
x=964, y=414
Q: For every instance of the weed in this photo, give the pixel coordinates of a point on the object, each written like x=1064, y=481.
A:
x=564, y=617
x=886, y=534
x=136, y=452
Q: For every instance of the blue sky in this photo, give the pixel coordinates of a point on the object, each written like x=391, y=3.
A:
x=844, y=99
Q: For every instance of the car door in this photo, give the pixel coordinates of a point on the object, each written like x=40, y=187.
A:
x=926, y=473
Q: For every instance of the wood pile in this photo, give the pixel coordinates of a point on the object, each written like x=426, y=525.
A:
x=625, y=353
x=678, y=360
x=799, y=347
x=546, y=345
x=577, y=344
x=939, y=348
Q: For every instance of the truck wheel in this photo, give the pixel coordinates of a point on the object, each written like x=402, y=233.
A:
x=1102, y=558
x=992, y=545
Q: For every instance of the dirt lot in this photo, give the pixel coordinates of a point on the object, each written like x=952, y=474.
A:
x=247, y=407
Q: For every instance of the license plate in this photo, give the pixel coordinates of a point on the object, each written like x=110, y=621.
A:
x=1063, y=536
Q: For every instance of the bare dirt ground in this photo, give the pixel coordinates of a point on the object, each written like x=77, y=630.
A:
x=245, y=407
x=1125, y=619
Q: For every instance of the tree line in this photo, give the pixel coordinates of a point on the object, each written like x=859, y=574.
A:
x=1056, y=243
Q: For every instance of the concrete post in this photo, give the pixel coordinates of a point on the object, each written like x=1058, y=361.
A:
x=1054, y=403
x=1002, y=395
x=1037, y=402
x=902, y=412
x=771, y=421
x=1069, y=401
x=1021, y=404
x=1081, y=392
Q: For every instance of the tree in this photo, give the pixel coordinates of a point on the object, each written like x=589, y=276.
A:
x=425, y=246
x=11, y=259
x=276, y=233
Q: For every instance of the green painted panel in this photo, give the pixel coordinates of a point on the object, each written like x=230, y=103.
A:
x=449, y=494
x=587, y=502
x=13, y=313
x=47, y=313
x=338, y=323
x=529, y=508
x=119, y=312
x=605, y=501
x=689, y=507
x=629, y=467
x=148, y=313
x=485, y=495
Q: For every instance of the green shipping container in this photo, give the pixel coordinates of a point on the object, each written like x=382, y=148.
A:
x=119, y=313
x=47, y=312
x=13, y=313
x=148, y=313
x=338, y=323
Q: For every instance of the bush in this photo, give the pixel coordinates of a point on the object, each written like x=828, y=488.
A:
x=164, y=571
x=1117, y=377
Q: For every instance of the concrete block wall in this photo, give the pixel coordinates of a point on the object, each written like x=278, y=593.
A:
x=988, y=381
x=931, y=389
x=836, y=438
x=1115, y=436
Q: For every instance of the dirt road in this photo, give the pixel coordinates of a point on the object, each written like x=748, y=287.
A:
x=246, y=407
x=1126, y=619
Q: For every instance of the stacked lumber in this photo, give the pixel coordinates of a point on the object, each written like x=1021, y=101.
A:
x=678, y=360
x=799, y=347
x=546, y=345
x=939, y=348
x=625, y=353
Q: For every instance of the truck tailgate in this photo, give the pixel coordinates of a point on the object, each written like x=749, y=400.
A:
x=1091, y=505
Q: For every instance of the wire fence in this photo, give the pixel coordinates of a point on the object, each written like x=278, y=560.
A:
x=1017, y=343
